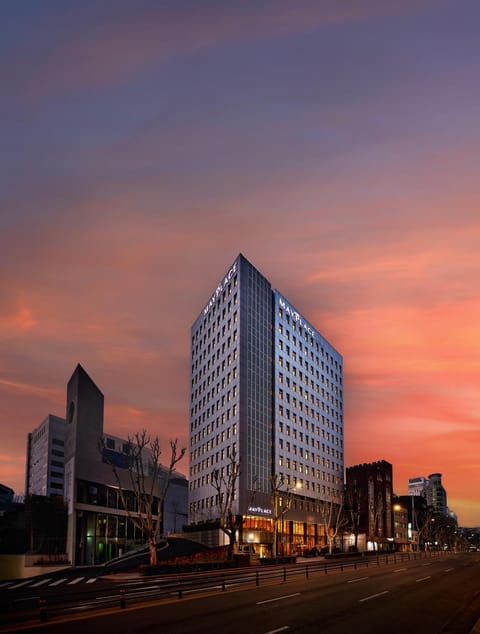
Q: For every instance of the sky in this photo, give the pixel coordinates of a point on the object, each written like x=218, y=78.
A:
x=335, y=143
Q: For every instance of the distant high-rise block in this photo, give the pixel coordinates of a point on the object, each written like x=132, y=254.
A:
x=45, y=458
x=266, y=387
x=432, y=490
x=436, y=494
x=417, y=486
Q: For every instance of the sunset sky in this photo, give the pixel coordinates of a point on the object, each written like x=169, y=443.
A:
x=335, y=143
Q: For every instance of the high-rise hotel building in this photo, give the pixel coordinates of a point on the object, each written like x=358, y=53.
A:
x=266, y=387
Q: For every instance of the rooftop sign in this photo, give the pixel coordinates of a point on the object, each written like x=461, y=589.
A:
x=228, y=278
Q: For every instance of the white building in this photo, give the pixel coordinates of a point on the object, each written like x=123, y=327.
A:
x=417, y=486
x=45, y=458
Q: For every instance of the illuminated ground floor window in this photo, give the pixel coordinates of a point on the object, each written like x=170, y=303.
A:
x=101, y=537
x=293, y=537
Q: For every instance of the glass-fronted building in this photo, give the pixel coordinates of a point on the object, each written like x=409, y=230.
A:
x=99, y=526
x=266, y=387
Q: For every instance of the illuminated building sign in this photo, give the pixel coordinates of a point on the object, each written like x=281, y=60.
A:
x=295, y=316
x=259, y=510
x=228, y=278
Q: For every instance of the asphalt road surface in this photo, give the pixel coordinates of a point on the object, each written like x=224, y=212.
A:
x=423, y=596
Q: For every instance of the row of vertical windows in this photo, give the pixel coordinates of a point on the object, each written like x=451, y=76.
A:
x=214, y=387
x=211, y=443
x=207, y=327
x=301, y=452
x=208, y=502
x=208, y=363
x=309, y=366
x=314, y=487
x=305, y=380
x=207, y=414
x=230, y=358
x=301, y=467
x=308, y=410
x=209, y=462
x=308, y=338
x=296, y=433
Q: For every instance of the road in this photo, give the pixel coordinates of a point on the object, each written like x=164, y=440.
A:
x=423, y=596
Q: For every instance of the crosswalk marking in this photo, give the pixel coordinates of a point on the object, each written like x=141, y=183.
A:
x=44, y=582
x=19, y=585
x=74, y=581
x=40, y=583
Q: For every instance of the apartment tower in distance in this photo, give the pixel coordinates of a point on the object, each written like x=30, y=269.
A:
x=45, y=458
x=265, y=387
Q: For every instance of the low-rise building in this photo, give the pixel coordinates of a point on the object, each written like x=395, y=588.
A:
x=99, y=528
x=370, y=487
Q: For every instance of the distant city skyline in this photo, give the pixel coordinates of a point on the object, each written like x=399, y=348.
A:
x=335, y=144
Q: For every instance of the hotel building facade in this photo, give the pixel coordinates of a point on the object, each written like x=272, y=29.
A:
x=267, y=388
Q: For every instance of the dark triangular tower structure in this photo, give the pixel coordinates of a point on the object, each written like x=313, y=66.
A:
x=83, y=434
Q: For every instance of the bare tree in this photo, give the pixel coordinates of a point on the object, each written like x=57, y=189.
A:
x=379, y=509
x=281, y=498
x=333, y=519
x=439, y=530
x=353, y=510
x=224, y=481
x=148, y=482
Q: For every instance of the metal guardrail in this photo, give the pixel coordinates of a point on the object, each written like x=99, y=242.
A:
x=178, y=586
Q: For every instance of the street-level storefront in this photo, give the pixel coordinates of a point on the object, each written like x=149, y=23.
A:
x=293, y=537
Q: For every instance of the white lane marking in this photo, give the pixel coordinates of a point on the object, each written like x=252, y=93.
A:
x=357, y=580
x=40, y=583
x=134, y=593
x=399, y=570
x=280, y=629
x=422, y=579
x=286, y=596
x=373, y=596
x=192, y=590
x=108, y=597
x=91, y=580
x=19, y=585
x=449, y=570
x=74, y=581
x=20, y=599
x=57, y=582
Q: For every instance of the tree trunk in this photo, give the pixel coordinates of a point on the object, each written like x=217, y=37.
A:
x=153, y=549
x=231, y=542
x=330, y=544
